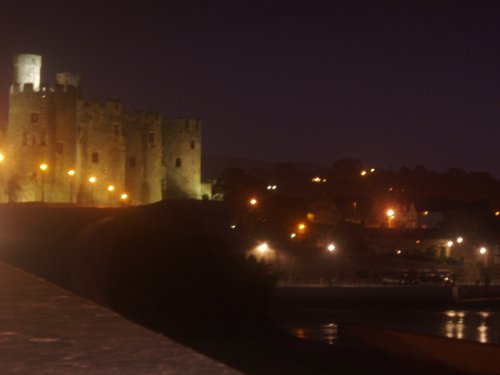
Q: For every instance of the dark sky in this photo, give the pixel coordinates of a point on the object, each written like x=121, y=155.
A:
x=389, y=82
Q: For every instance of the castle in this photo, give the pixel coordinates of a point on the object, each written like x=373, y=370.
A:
x=58, y=147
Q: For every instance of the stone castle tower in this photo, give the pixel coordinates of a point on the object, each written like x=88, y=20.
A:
x=61, y=148
x=182, y=158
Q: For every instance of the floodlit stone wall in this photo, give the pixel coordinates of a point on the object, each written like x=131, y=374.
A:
x=182, y=158
x=101, y=152
x=41, y=130
x=143, y=144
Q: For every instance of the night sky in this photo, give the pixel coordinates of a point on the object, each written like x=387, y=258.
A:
x=390, y=82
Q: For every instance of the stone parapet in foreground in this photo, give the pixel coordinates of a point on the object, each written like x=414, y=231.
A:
x=45, y=329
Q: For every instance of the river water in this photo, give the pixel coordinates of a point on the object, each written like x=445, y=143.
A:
x=324, y=325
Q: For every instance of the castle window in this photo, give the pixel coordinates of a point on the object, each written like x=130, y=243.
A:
x=131, y=162
x=95, y=157
x=59, y=147
x=193, y=145
x=178, y=162
x=151, y=138
x=34, y=117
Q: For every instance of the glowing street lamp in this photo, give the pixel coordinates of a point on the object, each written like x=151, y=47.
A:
x=263, y=248
x=460, y=239
x=92, y=181
x=449, y=243
x=363, y=173
x=43, y=168
x=331, y=248
x=71, y=174
x=124, y=196
x=111, y=189
x=2, y=157
x=391, y=214
x=253, y=201
x=484, y=251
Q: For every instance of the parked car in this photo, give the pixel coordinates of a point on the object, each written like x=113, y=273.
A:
x=404, y=278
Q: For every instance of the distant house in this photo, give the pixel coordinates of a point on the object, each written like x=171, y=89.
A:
x=324, y=211
x=393, y=214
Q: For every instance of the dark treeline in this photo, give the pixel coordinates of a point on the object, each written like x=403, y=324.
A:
x=344, y=178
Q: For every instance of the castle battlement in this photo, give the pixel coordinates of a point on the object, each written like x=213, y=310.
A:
x=45, y=89
x=143, y=117
x=187, y=125
x=108, y=105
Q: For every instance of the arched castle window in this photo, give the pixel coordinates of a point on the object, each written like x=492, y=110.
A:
x=193, y=145
x=178, y=162
x=95, y=157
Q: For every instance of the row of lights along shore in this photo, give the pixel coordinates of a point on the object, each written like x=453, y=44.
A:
x=92, y=180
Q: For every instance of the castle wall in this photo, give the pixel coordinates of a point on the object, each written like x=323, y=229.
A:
x=138, y=153
x=143, y=145
x=182, y=158
x=101, y=152
x=41, y=130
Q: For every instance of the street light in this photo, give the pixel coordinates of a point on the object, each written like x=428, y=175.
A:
x=111, y=189
x=484, y=251
x=263, y=248
x=2, y=157
x=390, y=216
x=124, y=197
x=301, y=227
x=71, y=174
x=331, y=248
x=253, y=201
x=43, y=168
x=460, y=240
x=92, y=181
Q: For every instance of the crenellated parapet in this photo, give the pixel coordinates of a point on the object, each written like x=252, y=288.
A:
x=45, y=91
x=142, y=117
x=110, y=106
x=189, y=125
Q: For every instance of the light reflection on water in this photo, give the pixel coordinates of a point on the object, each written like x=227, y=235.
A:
x=326, y=332
x=481, y=326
